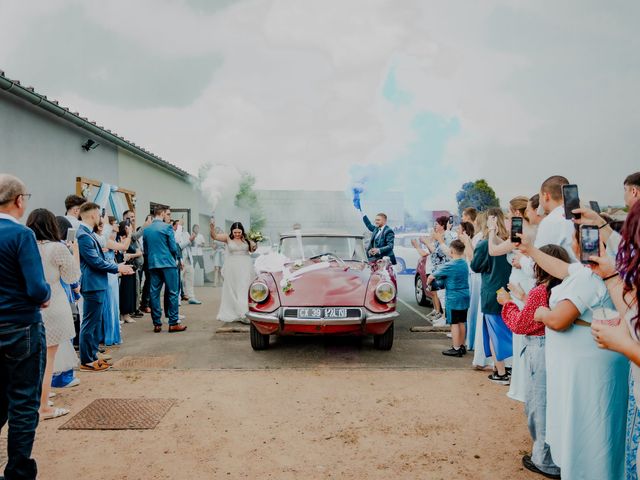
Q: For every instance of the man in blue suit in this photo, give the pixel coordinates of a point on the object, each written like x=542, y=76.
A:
x=382, y=239
x=23, y=351
x=162, y=253
x=93, y=285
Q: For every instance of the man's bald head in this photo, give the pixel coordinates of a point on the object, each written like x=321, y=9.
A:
x=10, y=188
x=12, y=195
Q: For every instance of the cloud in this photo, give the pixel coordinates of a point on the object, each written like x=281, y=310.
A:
x=299, y=92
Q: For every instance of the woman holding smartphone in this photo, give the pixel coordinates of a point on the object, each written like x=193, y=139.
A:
x=519, y=282
x=622, y=279
x=587, y=387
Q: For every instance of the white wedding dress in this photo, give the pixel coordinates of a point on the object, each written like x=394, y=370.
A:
x=238, y=273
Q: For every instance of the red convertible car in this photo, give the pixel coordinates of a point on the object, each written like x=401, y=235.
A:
x=325, y=286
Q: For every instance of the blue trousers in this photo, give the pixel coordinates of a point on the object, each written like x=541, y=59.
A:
x=171, y=280
x=23, y=354
x=535, y=401
x=91, y=326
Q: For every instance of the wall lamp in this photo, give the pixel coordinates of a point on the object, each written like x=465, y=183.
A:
x=90, y=145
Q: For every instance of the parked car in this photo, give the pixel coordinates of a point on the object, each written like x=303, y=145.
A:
x=423, y=297
x=406, y=255
x=325, y=287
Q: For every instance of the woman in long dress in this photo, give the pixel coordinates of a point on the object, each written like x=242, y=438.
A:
x=238, y=273
x=519, y=280
x=59, y=263
x=587, y=388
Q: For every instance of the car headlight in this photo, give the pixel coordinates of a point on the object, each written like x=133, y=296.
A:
x=259, y=292
x=385, y=292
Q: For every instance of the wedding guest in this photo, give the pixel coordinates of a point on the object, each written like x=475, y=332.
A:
x=520, y=320
x=196, y=247
x=495, y=272
x=532, y=213
x=238, y=273
x=72, y=206
x=219, y=249
x=146, y=284
x=59, y=264
x=162, y=252
x=623, y=283
x=128, y=284
x=23, y=292
x=518, y=278
x=455, y=275
x=135, y=257
x=94, y=283
x=587, y=388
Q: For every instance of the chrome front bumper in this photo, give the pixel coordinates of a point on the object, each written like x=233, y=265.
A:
x=278, y=317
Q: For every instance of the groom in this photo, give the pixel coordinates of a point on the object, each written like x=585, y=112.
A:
x=382, y=239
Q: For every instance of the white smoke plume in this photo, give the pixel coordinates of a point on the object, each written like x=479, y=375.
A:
x=218, y=181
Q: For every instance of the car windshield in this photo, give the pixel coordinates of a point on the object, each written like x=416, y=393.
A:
x=346, y=248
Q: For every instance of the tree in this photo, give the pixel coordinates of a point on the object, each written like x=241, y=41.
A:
x=478, y=195
x=247, y=198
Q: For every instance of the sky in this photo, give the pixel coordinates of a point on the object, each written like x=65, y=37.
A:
x=405, y=95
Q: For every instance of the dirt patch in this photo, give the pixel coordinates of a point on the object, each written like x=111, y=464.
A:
x=291, y=424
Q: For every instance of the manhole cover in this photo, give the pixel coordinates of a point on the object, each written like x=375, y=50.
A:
x=120, y=414
x=134, y=363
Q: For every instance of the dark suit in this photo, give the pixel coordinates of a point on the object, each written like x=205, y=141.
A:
x=162, y=255
x=382, y=240
x=93, y=285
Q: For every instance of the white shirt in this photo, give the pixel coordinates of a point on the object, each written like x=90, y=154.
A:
x=197, y=244
x=554, y=229
x=9, y=217
x=75, y=223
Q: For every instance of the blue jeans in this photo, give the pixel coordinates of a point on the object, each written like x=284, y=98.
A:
x=171, y=280
x=535, y=402
x=23, y=354
x=91, y=326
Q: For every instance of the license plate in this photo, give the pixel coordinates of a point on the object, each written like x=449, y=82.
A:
x=311, y=313
x=335, y=313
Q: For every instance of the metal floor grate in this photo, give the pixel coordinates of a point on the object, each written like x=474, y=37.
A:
x=120, y=414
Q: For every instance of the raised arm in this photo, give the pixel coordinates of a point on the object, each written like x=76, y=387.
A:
x=553, y=266
x=221, y=237
x=416, y=245
x=368, y=223
x=89, y=254
x=497, y=246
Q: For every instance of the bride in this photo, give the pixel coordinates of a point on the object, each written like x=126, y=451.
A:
x=238, y=272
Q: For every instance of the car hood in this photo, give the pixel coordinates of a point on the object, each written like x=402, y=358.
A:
x=334, y=286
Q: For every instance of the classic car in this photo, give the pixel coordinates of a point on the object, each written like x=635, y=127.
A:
x=323, y=285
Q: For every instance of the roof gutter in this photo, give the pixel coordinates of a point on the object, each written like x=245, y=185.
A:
x=50, y=106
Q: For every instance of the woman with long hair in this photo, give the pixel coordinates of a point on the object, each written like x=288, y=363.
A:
x=623, y=283
x=495, y=271
x=238, y=272
x=59, y=263
x=519, y=281
x=127, y=289
x=587, y=387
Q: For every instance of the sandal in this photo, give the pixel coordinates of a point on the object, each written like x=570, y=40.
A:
x=58, y=412
x=97, y=366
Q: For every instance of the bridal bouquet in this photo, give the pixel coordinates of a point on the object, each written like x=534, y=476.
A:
x=255, y=236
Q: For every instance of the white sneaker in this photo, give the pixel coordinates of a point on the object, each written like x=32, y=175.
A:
x=181, y=317
x=129, y=319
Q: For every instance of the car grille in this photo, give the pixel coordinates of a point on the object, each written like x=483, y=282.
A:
x=351, y=312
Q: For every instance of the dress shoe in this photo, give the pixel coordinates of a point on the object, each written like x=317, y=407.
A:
x=157, y=328
x=177, y=328
x=529, y=465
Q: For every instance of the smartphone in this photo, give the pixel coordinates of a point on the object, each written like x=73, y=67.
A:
x=71, y=234
x=595, y=206
x=451, y=219
x=127, y=222
x=516, y=227
x=571, y=201
x=104, y=212
x=589, y=243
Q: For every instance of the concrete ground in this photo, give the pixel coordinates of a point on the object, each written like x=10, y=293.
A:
x=309, y=407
